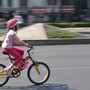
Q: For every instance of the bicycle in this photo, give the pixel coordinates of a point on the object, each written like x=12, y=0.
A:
x=38, y=72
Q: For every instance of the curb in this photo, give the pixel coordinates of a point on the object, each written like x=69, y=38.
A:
x=57, y=42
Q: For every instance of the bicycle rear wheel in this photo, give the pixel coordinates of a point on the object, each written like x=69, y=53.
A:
x=3, y=76
x=38, y=74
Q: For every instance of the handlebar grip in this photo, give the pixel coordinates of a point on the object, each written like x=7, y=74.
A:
x=30, y=46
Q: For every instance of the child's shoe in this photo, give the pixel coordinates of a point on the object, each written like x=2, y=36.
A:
x=9, y=72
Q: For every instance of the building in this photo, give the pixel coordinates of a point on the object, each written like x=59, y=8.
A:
x=56, y=9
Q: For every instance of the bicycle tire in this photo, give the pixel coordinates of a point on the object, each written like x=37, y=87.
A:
x=30, y=70
x=6, y=78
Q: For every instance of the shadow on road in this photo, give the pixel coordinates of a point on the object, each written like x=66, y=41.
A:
x=41, y=87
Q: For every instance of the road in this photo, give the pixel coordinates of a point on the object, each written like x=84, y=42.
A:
x=69, y=64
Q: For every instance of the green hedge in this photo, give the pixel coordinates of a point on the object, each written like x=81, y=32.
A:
x=71, y=24
x=2, y=19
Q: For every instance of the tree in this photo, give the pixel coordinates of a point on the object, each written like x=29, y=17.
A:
x=80, y=6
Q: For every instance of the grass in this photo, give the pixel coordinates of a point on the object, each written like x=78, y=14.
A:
x=61, y=34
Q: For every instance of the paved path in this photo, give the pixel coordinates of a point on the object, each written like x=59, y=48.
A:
x=84, y=31
x=34, y=32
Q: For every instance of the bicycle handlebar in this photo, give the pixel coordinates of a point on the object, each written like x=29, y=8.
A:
x=30, y=48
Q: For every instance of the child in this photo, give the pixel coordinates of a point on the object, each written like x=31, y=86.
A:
x=7, y=47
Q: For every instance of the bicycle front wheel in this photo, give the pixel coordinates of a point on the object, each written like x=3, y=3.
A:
x=3, y=76
x=38, y=73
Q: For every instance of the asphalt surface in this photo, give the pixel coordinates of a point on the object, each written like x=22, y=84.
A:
x=69, y=64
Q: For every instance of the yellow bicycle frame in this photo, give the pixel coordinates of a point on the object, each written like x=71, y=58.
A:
x=3, y=73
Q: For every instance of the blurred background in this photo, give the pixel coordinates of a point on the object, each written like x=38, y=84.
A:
x=34, y=11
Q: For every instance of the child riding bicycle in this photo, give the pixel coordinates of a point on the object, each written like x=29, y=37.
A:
x=7, y=43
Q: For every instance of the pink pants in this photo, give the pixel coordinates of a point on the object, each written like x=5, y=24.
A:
x=15, y=52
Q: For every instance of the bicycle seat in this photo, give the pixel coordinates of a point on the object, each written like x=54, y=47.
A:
x=5, y=53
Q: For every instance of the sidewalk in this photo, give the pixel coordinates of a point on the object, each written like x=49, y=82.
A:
x=33, y=32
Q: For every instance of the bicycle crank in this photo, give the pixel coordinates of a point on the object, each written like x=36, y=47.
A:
x=16, y=73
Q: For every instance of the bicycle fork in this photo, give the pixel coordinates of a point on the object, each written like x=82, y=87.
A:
x=35, y=63
x=36, y=67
